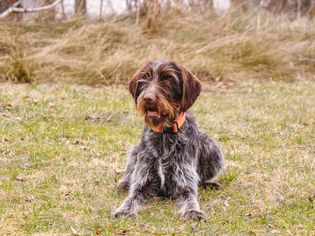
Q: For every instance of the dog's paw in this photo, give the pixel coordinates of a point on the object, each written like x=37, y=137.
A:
x=194, y=215
x=121, y=212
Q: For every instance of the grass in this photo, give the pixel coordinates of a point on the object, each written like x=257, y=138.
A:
x=62, y=149
x=236, y=46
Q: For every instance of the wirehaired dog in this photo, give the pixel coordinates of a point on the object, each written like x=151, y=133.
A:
x=173, y=156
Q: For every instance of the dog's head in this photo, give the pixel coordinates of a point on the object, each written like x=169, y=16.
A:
x=162, y=90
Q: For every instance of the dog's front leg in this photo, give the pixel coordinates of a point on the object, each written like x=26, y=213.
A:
x=131, y=205
x=187, y=194
x=143, y=185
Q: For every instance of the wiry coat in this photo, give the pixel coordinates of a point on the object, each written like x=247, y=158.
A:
x=170, y=165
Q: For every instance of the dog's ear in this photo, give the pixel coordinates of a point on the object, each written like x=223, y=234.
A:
x=191, y=88
x=133, y=84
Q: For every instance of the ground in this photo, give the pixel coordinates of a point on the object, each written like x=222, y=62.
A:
x=62, y=149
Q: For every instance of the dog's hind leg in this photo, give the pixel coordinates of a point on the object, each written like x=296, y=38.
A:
x=186, y=194
x=210, y=162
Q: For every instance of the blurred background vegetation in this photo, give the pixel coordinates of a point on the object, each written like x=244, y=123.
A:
x=221, y=41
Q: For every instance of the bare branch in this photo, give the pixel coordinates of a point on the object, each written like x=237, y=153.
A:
x=14, y=8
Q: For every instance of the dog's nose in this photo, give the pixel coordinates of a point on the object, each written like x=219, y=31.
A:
x=149, y=98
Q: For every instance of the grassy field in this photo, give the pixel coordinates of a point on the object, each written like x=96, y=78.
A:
x=62, y=149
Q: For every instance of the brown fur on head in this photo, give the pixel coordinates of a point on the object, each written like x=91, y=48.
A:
x=162, y=90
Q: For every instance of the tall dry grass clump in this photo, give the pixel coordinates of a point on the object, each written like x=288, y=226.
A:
x=232, y=46
x=14, y=64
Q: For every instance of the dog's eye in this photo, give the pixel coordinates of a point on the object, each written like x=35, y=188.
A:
x=165, y=82
x=141, y=84
x=168, y=81
x=164, y=78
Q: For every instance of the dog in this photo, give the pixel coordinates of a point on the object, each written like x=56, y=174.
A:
x=173, y=157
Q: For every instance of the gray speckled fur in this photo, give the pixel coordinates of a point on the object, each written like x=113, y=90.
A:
x=172, y=166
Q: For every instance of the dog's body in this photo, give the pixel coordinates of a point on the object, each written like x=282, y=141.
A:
x=167, y=162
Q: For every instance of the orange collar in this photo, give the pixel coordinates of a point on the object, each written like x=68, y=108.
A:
x=177, y=124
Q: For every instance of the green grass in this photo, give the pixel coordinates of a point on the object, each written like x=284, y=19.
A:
x=62, y=148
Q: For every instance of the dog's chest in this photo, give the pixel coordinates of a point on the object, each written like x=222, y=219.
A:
x=166, y=169
x=161, y=173
x=168, y=151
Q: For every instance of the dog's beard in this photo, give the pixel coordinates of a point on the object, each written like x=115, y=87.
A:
x=161, y=113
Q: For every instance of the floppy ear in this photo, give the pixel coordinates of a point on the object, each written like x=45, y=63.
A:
x=191, y=88
x=133, y=84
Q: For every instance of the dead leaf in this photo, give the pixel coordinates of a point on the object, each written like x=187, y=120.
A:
x=311, y=198
x=29, y=199
x=98, y=231
x=20, y=178
x=67, y=195
x=4, y=139
x=78, y=142
x=25, y=214
x=248, y=214
x=92, y=117
x=109, y=118
x=74, y=231
x=124, y=232
x=27, y=165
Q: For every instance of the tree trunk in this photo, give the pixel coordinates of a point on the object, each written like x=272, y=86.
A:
x=51, y=13
x=29, y=4
x=219, y=5
x=311, y=10
x=80, y=7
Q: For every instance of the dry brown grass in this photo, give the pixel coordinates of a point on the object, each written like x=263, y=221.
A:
x=230, y=47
